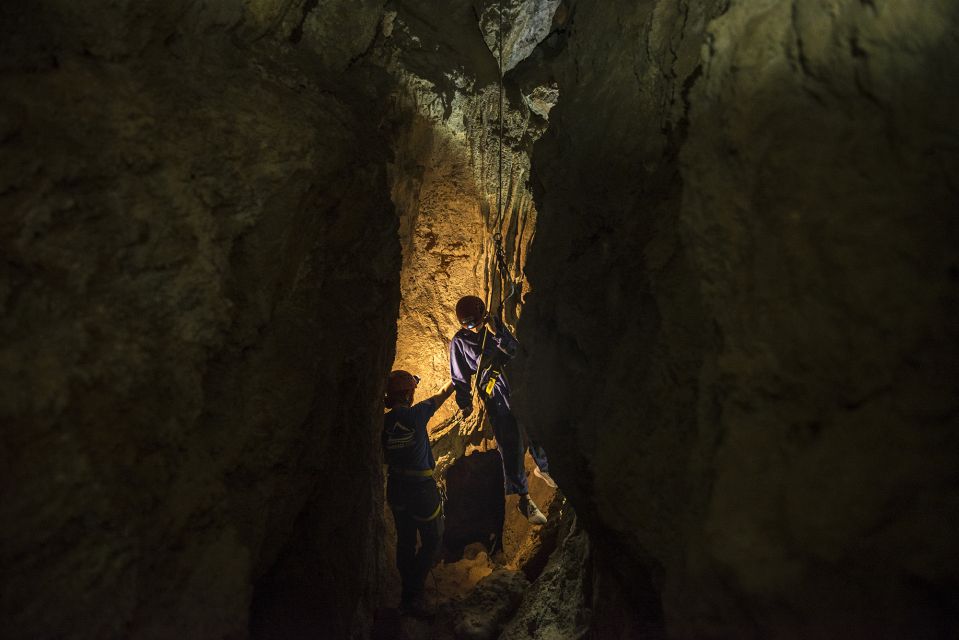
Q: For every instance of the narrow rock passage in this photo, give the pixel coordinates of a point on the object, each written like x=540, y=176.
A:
x=478, y=586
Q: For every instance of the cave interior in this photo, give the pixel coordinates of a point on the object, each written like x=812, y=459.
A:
x=724, y=233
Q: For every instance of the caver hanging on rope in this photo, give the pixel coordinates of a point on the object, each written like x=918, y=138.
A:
x=471, y=310
x=482, y=351
x=472, y=315
x=498, y=361
x=494, y=364
x=477, y=359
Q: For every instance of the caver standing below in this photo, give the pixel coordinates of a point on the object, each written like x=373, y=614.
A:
x=476, y=346
x=410, y=490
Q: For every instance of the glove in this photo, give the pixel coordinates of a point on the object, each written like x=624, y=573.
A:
x=467, y=411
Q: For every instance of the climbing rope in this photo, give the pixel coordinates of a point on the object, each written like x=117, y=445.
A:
x=499, y=254
x=499, y=191
x=504, y=271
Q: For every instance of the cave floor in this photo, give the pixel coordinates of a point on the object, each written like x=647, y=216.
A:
x=476, y=589
x=449, y=585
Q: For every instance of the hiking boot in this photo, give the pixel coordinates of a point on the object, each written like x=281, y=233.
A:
x=545, y=477
x=529, y=509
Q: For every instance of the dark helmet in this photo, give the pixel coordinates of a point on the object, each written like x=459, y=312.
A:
x=400, y=382
x=470, y=311
x=400, y=387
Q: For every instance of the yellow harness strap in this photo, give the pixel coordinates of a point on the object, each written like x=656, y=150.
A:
x=439, y=508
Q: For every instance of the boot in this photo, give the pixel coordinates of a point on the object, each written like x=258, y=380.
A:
x=545, y=477
x=529, y=509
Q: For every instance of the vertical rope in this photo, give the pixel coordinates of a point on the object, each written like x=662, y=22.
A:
x=499, y=193
x=499, y=220
x=502, y=133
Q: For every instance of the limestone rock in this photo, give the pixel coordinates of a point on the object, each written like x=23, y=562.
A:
x=445, y=179
x=738, y=292
x=557, y=605
x=740, y=348
x=525, y=23
x=451, y=582
x=199, y=277
x=483, y=613
x=542, y=100
x=339, y=31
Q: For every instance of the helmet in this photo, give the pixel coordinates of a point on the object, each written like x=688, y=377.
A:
x=470, y=311
x=400, y=386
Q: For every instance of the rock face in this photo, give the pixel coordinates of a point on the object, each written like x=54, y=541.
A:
x=445, y=177
x=490, y=605
x=442, y=231
x=517, y=29
x=198, y=294
x=474, y=502
x=737, y=311
x=741, y=342
x=558, y=605
x=201, y=279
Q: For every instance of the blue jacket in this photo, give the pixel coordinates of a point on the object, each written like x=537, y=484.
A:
x=406, y=444
x=465, y=360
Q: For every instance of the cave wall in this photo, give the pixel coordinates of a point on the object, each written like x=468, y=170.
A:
x=442, y=231
x=198, y=293
x=738, y=326
x=444, y=175
x=445, y=167
x=741, y=341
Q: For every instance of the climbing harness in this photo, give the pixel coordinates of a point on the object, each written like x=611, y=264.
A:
x=434, y=516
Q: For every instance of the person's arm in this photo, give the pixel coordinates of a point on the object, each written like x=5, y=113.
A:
x=425, y=409
x=443, y=394
x=461, y=374
x=501, y=336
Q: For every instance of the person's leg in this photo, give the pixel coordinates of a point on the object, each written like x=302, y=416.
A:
x=539, y=456
x=541, y=470
x=431, y=535
x=508, y=441
x=405, y=550
x=427, y=512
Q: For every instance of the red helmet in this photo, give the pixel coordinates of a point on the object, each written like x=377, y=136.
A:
x=470, y=311
x=400, y=386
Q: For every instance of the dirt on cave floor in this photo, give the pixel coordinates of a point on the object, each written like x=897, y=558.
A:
x=491, y=554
